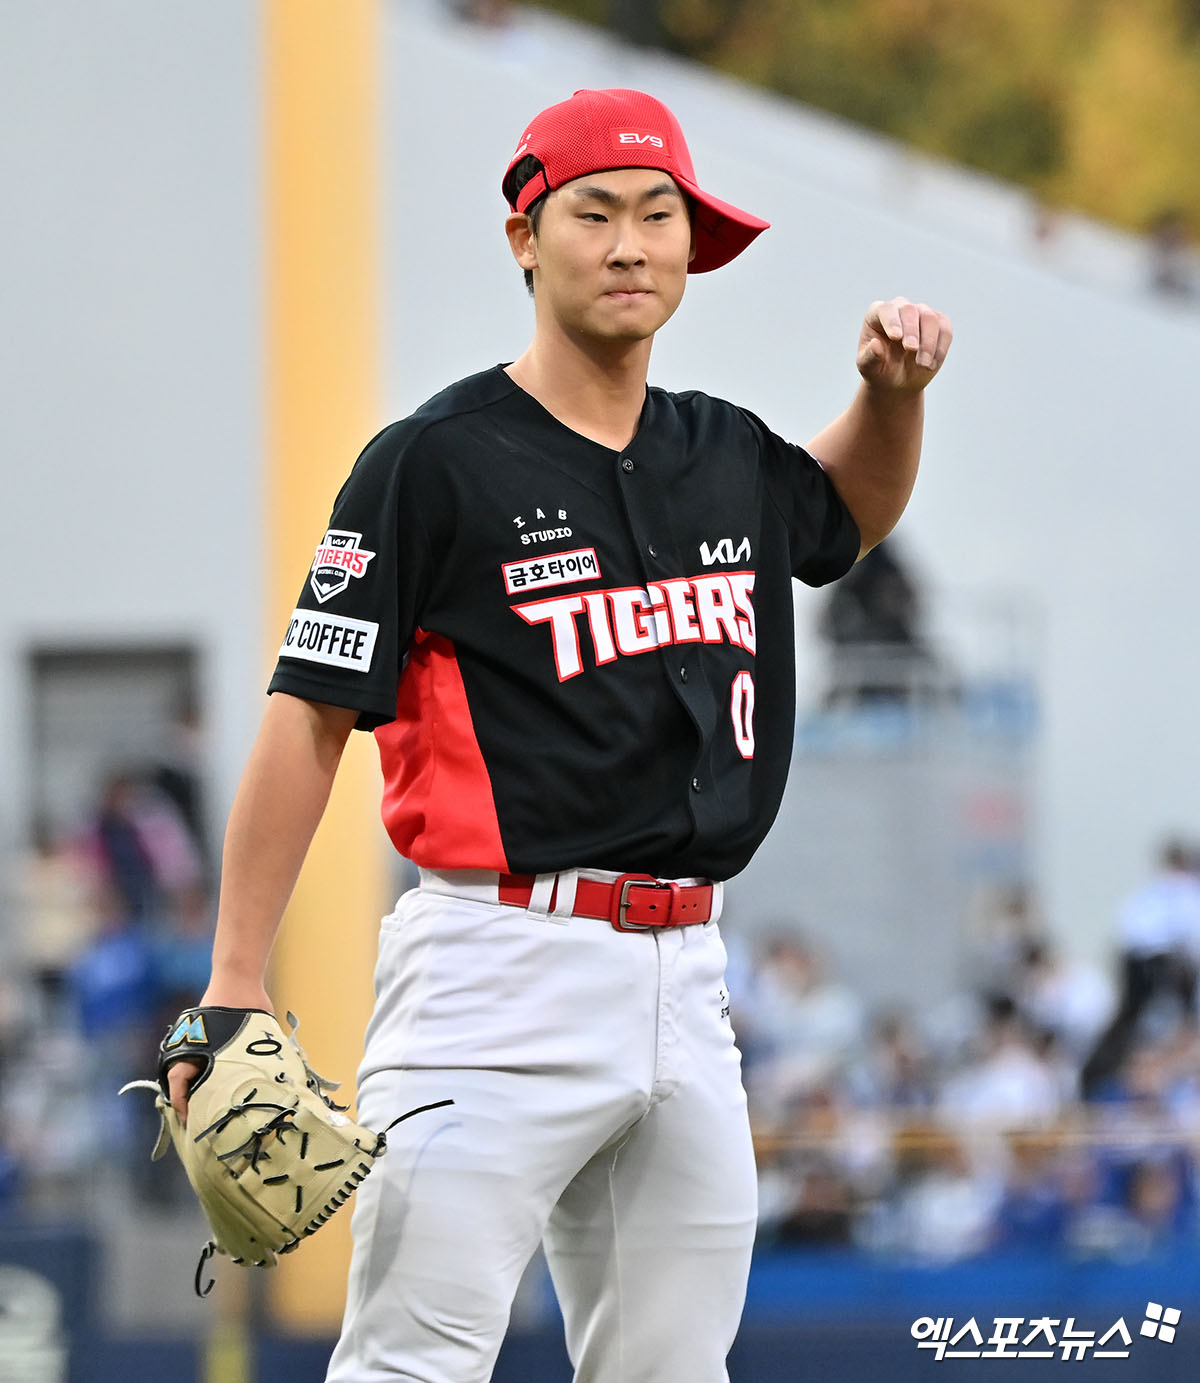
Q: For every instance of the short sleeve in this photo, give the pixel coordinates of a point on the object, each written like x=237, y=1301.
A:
x=361, y=600
x=823, y=535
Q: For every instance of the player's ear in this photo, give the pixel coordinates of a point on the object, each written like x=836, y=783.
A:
x=521, y=239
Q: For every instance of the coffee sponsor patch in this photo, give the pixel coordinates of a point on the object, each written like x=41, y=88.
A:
x=335, y=640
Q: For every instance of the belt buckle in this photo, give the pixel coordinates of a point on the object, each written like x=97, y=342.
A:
x=621, y=889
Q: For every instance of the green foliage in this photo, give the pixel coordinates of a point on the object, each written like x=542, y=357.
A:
x=1093, y=104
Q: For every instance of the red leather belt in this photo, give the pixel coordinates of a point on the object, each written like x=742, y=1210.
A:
x=632, y=903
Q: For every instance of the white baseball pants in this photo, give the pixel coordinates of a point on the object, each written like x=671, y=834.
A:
x=598, y=1109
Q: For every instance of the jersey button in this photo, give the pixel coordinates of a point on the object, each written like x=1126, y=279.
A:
x=652, y=550
x=695, y=784
x=627, y=464
x=683, y=674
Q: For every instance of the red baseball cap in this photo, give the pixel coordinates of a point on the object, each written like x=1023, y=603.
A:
x=617, y=128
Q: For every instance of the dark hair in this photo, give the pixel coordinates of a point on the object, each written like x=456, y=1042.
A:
x=520, y=174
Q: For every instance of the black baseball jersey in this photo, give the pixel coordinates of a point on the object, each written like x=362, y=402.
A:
x=570, y=656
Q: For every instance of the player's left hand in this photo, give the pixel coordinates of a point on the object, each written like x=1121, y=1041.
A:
x=902, y=344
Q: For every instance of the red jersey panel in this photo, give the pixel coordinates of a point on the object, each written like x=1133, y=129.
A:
x=438, y=805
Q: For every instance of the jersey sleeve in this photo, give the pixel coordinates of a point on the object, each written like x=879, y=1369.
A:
x=361, y=600
x=823, y=534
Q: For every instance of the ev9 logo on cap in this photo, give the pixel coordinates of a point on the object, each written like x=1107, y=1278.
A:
x=623, y=137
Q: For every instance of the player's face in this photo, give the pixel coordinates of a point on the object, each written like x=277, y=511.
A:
x=612, y=251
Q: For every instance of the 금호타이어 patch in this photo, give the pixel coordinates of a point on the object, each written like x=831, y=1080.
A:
x=335, y=640
x=339, y=558
x=555, y=569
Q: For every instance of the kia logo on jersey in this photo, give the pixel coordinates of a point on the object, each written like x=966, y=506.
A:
x=339, y=557
x=724, y=551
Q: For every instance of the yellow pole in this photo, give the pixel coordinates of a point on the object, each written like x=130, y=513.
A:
x=323, y=366
x=228, y=1355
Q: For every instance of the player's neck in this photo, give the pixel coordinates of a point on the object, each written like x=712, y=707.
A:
x=595, y=388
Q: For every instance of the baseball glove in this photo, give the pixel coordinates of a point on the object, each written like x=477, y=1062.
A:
x=268, y=1153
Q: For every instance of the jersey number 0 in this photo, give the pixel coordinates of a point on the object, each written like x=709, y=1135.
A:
x=741, y=711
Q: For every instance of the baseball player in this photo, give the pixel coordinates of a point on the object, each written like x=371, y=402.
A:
x=562, y=602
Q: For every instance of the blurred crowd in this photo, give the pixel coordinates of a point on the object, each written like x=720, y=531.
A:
x=105, y=933
x=1052, y=1104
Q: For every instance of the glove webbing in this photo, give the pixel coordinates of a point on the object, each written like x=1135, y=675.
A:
x=278, y=1125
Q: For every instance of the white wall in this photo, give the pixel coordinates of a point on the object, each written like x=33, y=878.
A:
x=130, y=355
x=1059, y=461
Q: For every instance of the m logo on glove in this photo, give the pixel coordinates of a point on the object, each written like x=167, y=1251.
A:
x=189, y=1029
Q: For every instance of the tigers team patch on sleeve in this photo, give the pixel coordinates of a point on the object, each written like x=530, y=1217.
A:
x=340, y=558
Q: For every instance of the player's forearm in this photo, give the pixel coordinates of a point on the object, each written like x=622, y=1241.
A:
x=278, y=806
x=871, y=454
